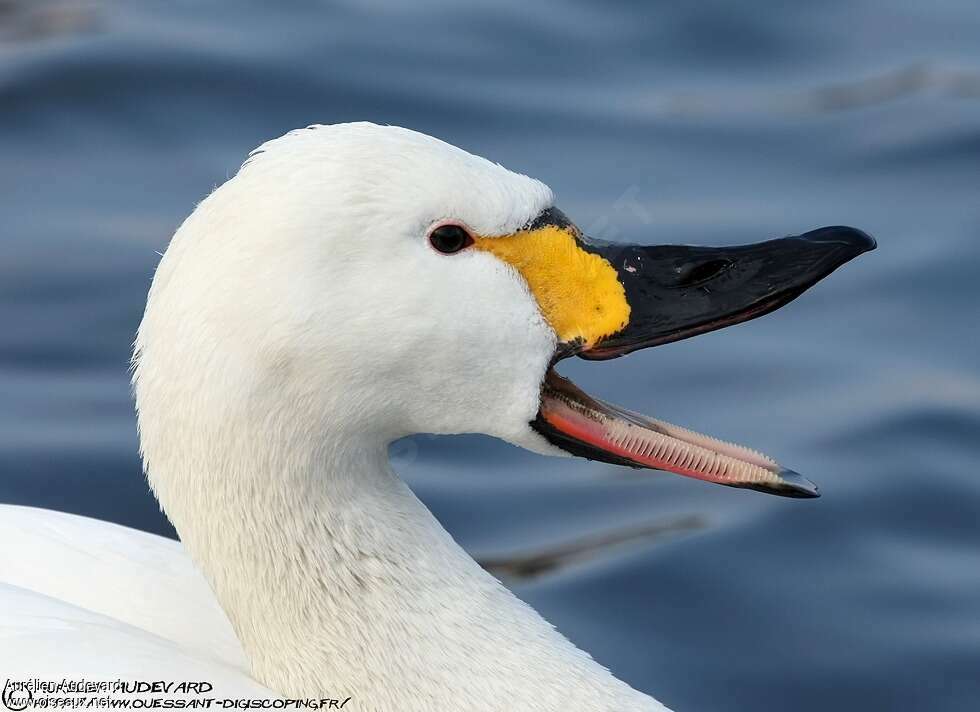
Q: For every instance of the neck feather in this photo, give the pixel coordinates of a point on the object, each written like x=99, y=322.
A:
x=339, y=582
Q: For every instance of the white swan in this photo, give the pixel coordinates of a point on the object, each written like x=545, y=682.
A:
x=353, y=284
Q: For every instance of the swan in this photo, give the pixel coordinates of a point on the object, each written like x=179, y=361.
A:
x=353, y=284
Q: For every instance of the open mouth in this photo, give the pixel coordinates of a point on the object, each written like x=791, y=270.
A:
x=591, y=428
x=676, y=292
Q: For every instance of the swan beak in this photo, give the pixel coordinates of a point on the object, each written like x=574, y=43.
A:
x=678, y=291
x=673, y=292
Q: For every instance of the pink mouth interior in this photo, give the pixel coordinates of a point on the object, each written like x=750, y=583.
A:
x=649, y=443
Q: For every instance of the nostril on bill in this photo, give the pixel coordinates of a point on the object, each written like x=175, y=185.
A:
x=692, y=275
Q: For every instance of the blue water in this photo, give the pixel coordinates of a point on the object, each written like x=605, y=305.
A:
x=712, y=122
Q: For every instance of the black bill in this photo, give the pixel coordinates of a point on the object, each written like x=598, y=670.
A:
x=675, y=292
x=679, y=291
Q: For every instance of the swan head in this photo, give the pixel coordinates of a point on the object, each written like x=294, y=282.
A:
x=376, y=282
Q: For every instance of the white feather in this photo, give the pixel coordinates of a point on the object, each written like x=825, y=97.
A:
x=297, y=324
x=80, y=598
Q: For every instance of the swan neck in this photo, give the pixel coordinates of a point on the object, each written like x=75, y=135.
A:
x=340, y=583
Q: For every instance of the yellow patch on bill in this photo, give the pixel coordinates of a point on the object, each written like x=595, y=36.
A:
x=578, y=292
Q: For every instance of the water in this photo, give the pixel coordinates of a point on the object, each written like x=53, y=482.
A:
x=711, y=122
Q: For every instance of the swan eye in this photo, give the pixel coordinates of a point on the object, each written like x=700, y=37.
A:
x=449, y=239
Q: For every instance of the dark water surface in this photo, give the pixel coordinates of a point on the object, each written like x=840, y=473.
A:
x=713, y=122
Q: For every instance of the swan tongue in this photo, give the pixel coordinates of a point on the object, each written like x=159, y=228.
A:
x=587, y=427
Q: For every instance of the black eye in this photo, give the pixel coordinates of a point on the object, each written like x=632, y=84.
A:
x=450, y=238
